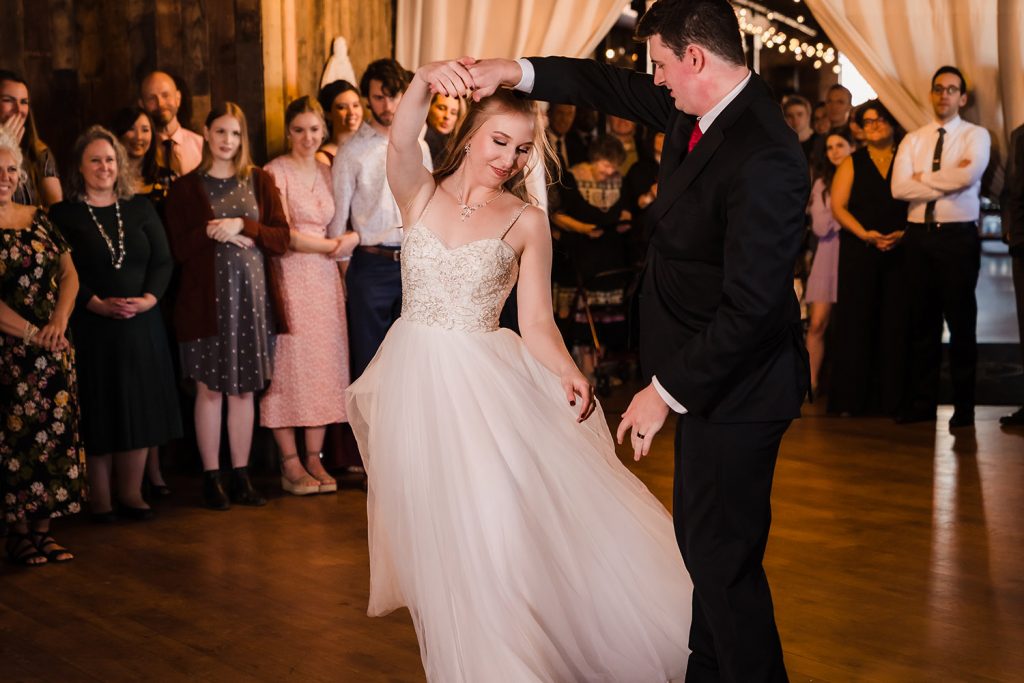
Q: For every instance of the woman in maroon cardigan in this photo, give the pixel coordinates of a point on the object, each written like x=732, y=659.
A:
x=224, y=221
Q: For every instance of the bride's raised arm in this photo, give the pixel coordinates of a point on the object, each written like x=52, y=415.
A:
x=410, y=182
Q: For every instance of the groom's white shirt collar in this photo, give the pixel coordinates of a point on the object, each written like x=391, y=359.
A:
x=705, y=121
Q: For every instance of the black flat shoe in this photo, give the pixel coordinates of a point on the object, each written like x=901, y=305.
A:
x=159, y=491
x=214, y=495
x=108, y=517
x=961, y=419
x=242, y=490
x=136, y=514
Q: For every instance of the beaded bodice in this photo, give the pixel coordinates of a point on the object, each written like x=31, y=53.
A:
x=458, y=289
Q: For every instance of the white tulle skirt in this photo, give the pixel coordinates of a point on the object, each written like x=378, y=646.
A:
x=523, y=548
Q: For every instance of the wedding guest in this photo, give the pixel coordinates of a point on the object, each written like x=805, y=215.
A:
x=178, y=148
x=224, y=220
x=797, y=112
x=441, y=119
x=869, y=317
x=560, y=119
x=819, y=119
x=42, y=184
x=639, y=190
x=42, y=462
x=126, y=381
x=311, y=361
x=593, y=221
x=343, y=108
x=822, y=282
x=363, y=199
x=628, y=135
x=838, y=105
x=938, y=171
x=134, y=130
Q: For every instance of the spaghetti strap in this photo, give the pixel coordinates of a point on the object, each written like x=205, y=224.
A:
x=515, y=217
x=423, y=214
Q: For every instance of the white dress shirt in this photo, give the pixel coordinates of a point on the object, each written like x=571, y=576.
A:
x=525, y=84
x=956, y=186
x=361, y=191
x=188, y=149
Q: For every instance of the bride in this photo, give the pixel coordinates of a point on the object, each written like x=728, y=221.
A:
x=498, y=511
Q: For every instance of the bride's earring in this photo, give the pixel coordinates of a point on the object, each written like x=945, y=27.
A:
x=466, y=149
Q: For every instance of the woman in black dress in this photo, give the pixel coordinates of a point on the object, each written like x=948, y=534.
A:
x=868, y=359
x=42, y=462
x=128, y=395
x=134, y=130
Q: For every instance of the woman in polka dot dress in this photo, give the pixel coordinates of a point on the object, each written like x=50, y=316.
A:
x=224, y=221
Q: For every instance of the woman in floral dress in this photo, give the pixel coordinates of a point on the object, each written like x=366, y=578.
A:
x=311, y=361
x=42, y=462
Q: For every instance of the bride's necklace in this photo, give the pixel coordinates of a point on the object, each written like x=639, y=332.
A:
x=115, y=260
x=468, y=210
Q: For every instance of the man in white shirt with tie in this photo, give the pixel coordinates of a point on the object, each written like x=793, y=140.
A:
x=178, y=148
x=938, y=169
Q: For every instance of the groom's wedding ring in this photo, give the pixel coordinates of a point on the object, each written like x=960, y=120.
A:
x=640, y=436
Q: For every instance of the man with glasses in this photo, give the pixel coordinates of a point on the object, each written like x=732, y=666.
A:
x=938, y=170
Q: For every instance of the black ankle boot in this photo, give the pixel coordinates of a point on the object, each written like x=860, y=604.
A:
x=214, y=495
x=242, y=491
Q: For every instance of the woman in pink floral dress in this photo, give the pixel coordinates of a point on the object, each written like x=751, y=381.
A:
x=311, y=361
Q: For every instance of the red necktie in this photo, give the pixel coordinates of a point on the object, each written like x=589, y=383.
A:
x=694, y=137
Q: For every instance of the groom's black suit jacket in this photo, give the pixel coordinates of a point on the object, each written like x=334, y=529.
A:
x=720, y=323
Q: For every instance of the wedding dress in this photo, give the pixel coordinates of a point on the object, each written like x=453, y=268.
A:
x=524, y=550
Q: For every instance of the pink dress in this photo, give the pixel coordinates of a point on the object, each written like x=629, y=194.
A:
x=311, y=361
x=822, y=283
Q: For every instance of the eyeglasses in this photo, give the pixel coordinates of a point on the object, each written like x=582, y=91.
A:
x=948, y=90
x=871, y=123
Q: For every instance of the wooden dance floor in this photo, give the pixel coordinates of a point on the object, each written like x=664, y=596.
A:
x=896, y=556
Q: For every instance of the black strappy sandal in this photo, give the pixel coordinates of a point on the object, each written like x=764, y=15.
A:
x=45, y=540
x=21, y=550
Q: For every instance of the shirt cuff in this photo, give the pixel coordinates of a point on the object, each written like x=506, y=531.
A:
x=525, y=83
x=667, y=397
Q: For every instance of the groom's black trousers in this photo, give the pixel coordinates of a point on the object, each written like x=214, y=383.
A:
x=722, y=512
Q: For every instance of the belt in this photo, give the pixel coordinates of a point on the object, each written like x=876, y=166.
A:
x=944, y=227
x=390, y=253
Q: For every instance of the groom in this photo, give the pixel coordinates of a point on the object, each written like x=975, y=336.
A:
x=720, y=325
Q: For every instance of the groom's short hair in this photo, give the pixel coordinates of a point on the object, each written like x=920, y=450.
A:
x=711, y=24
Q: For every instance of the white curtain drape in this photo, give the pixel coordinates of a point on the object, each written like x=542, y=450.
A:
x=429, y=30
x=898, y=44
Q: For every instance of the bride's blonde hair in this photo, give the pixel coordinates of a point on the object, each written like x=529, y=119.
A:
x=503, y=101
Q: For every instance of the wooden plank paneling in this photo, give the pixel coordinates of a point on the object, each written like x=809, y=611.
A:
x=249, y=56
x=297, y=38
x=84, y=59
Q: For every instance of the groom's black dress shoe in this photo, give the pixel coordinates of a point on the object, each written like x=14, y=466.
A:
x=1013, y=419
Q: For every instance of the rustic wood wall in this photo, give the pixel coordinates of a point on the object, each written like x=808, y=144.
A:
x=297, y=37
x=83, y=59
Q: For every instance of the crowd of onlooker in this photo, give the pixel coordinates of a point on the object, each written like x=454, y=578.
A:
x=894, y=252
x=164, y=283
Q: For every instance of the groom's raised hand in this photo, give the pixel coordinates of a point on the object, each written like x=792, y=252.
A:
x=491, y=74
x=645, y=415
